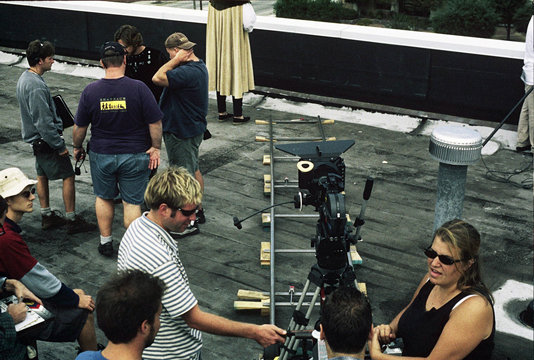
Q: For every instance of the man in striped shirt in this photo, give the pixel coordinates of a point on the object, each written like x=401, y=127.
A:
x=173, y=197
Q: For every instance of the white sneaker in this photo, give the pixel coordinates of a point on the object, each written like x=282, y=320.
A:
x=189, y=230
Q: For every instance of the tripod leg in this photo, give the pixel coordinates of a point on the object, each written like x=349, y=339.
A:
x=293, y=342
x=292, y=323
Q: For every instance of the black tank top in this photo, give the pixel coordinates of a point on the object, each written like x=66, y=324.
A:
x=421, y=329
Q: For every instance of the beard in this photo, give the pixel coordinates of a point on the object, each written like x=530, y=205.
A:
x=151, y=336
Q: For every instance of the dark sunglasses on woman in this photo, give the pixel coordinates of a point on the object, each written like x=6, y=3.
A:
x=444, y=259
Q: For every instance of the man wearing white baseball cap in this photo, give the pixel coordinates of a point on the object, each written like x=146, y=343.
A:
x=72, y=308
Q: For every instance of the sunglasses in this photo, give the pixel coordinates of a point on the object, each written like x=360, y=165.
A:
x=444, y=259
x=188, y=212
x=27, y=193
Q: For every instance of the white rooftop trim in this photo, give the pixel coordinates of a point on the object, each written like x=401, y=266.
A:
x=418, y=39
x=115, y=8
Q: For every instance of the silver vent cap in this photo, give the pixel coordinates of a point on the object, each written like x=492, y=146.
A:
x=455, y=145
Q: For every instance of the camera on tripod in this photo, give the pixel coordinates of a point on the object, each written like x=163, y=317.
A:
x=321, y=177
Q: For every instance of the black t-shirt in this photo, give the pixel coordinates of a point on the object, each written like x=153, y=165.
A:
x=143, y=66
x=421, y=329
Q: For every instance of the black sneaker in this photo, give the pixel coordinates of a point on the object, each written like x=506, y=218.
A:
x=523, y=148
x=225, y=117
x=106, y=249
x=239, y=121
x=52, y=221
x=201, y=219
x=189, y=230
x=79, y=225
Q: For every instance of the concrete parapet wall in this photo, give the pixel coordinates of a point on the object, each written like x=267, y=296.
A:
x=455, y=75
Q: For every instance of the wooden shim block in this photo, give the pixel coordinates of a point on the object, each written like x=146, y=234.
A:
x=263, y=139
x=266, y=159
x=356, y=258
x=266, y=219
x=265, y=253
x=327, y=122
x=363, y=288
x=332, y=138
x=266, y=178
x=251, y=295
x=267, y=189
x=251, y=305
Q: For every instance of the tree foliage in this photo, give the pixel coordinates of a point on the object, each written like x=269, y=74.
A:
x=319, y=10
x=476, y=18
x=506, y=10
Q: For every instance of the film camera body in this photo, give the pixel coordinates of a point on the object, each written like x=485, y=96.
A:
x=321, y=177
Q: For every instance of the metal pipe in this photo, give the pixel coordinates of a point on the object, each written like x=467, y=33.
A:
x=450, y=193
x=294, y=251
x=272, y=306
x=311, y=216
x=454, y=147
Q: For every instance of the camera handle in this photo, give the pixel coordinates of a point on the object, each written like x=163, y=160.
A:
x=360, y=220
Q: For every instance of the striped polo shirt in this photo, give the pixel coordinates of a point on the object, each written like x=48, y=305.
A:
x=148, y=247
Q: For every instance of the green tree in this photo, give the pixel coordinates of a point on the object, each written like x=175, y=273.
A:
x=522, y=16
x=466, y=17
x=506, y=10
x=318, y=10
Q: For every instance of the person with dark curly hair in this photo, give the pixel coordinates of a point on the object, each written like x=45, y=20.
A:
x=142, y=61
x=128, y=307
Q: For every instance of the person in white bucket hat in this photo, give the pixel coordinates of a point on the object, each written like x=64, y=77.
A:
x=72, y=308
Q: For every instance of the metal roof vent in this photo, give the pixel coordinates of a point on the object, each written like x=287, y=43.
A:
x=455, y=145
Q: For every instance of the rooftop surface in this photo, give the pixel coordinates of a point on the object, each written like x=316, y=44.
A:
x=221, y=259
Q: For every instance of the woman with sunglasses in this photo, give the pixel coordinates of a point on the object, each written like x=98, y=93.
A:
x=72, y=308
x=451, y=313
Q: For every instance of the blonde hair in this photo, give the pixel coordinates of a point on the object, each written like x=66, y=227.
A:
x=175, y=187
x=463, y=239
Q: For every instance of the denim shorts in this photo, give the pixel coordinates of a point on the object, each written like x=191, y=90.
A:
x=125, y=172
x=53, y=166
x=183, y=152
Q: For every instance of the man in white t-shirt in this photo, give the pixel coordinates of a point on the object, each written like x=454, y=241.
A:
x=173, y=196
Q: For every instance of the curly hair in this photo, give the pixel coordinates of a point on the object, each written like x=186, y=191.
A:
x=129, y=35
x=125, y=301
x=38, y=50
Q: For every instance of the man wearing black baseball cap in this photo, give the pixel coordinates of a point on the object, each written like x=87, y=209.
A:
x=184, y=103
x=125, y=140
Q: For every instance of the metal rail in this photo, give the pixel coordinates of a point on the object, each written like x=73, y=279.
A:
x=285, y=184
